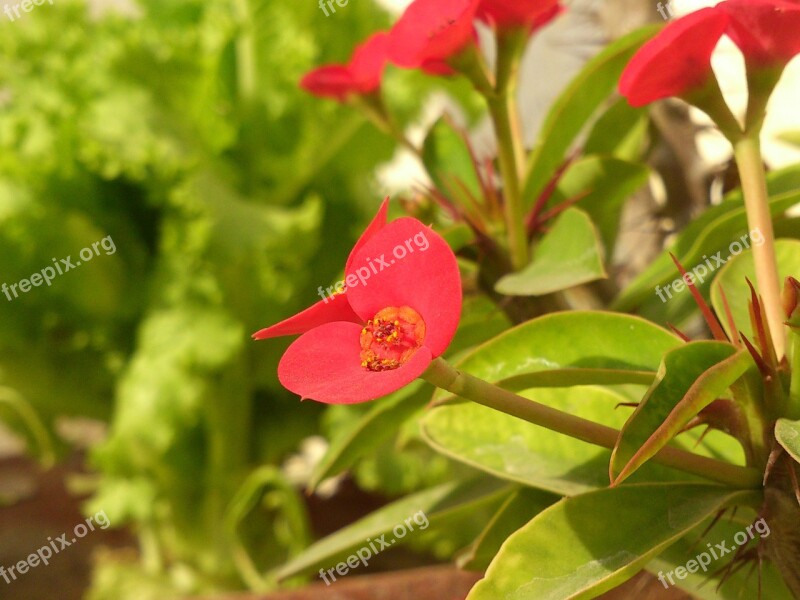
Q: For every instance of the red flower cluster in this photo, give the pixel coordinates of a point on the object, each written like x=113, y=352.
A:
x=678, y=60
x=428, y=35
x=374, y=339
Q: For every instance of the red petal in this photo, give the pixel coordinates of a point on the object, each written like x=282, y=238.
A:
x=767, y=33
x=514, y=13
x=378, y=223
x=438, y=68
x=337, y=308
x=361, y=75
x=325, y=365
x=431, y=31
x=369, y=61
x=330, y=81
x=677, y=60
x=408, y=264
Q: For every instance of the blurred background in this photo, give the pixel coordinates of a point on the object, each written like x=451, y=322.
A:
x=129, y=383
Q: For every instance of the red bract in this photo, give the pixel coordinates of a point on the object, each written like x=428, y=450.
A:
x=767, y=32
x=506, y=14
x=430, y=32
x=676, y=61
x=399, y=311
x=362, y=75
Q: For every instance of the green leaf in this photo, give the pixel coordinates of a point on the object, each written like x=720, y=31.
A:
x=603, y=184
x=628, y=343
x=513, y=514
x=689, y=379
x=588, y=544
x=267, y=485
x=619, y=132
x=480, y=321
x=576, y=105
x=732, y=278
x=713, y=232
x=449, y=162
x=438, y=505
x=788, y=435
x=568, y=255
x=515, y=450
x=570, y=377
x=379, y=424
x=457, y=236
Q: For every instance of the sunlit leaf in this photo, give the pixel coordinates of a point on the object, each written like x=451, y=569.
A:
x=689, y=379
x=568, y=255
x=588, y=544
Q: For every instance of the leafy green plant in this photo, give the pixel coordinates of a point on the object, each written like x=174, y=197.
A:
x=534, y=406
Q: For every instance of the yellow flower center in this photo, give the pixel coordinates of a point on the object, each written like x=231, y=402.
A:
x=391, y=338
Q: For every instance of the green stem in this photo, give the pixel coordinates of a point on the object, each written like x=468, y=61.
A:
x=747, y=151
x=500, y=94
x=245, y=54
x=793, y=410
x=710, y=100
x=746, y=392
x=511, y=159
x=373, y=107
x=444, y=376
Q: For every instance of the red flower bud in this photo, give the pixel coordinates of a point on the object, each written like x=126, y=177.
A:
x=507, y=14
x=362, y=75
x=791, y=298
x=766, y=31
x=430, y=32
x=676, y=61
x=400, y=311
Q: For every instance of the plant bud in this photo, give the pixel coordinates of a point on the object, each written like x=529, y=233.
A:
x=791, y=297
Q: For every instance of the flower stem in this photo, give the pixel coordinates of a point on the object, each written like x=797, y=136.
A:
x=500, y=94
x=747, y=151
x=511, y=159
x=373, y=107
x=504, y=112
x=444, y=376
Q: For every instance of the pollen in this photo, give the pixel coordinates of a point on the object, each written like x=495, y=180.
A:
x=391, y=338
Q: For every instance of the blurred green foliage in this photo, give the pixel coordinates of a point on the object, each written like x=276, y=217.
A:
x=179, y=131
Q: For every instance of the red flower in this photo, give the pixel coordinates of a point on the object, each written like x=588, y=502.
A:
x=767, y=32
x=676, y=61
x=430, y=32
x=362, y=75
x=399, y=311
x=505, y=14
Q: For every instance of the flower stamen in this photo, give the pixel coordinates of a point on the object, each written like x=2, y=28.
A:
x=391, y=338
